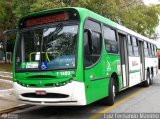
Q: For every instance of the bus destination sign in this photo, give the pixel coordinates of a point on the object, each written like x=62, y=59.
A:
x=47, y=19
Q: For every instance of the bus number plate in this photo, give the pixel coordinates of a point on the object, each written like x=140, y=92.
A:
x=41, y=92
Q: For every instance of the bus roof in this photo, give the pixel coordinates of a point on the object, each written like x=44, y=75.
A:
x=84, y=13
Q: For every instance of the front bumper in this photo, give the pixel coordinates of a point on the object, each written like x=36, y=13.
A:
x=74, y=90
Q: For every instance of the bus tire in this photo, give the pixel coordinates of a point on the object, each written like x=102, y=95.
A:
x=109, y=101
x=151, y=79
x=146, y=83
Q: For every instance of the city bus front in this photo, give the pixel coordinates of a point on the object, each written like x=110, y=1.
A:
x=46, y=58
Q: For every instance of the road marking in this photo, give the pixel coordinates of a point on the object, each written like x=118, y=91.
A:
x=116, y=104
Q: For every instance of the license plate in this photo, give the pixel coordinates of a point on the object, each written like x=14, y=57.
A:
x=41, y=92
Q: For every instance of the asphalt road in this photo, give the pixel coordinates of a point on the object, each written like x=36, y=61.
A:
x=134, y=100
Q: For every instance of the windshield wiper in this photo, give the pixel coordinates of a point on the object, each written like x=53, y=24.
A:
x=57, y=30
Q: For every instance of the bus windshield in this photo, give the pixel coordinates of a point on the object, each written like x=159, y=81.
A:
x=47, y=48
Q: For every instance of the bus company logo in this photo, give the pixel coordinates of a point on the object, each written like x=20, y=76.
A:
x=134, y=63
x=108, y=66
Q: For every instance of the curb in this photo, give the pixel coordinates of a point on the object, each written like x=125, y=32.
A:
x=14, y=108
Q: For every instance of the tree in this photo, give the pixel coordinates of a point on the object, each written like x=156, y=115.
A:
x=6, y=16
x=141, y=18
x=21, y=7
x=47, y=4
x=11, y=11
x=130, y=13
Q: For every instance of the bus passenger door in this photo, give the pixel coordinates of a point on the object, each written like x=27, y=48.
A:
x=124, y=59
x=94, y=70
x=141, y=51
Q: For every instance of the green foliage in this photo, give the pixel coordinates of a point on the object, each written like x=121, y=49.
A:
x=130, y=13
x=6, y=16
x=51, y=4
x=21, y=7
x=4, y=8
x=43, y=5
x=10, y=12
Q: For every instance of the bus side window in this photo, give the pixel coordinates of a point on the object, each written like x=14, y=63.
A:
x=152, y=50
x=146, y=53
x=149, y=54
x=135, y=46
x=155, y=51
x=110, y=40
x=130, y=48
x=149, y=50
x=92, y=43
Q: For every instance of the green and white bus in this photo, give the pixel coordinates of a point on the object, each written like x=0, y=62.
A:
x=73, y=56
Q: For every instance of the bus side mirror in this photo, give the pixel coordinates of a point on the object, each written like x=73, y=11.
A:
x=88, y=36
x=4, y=43
x=5, y=35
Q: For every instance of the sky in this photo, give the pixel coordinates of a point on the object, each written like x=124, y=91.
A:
x=148, y=2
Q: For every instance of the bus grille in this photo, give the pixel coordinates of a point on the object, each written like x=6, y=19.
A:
x=48, y=95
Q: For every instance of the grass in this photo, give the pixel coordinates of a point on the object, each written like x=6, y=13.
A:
x=5, y=67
